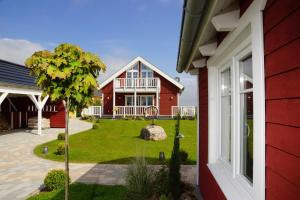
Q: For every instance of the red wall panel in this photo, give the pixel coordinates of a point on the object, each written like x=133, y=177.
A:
x=207, y=184
x=282, y=72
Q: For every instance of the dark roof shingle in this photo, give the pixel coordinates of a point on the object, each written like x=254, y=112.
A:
x=15, y=74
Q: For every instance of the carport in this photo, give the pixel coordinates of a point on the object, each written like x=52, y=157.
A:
x=16, y=82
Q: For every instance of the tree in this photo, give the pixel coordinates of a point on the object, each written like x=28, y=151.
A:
x=68, y=74
x=174, y=165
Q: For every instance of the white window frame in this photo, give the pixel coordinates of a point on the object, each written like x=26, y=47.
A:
x=246, y=39
x=146, y=96
x=126, y=99
x=138, y=99
x=147, y=70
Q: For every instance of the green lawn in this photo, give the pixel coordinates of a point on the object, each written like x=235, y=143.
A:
x=117, y=141
x=79, y=191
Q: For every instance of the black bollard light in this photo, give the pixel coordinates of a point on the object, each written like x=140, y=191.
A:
x=45, y=150
x=162, y=156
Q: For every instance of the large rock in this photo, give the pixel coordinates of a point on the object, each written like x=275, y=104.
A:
x=153, y=132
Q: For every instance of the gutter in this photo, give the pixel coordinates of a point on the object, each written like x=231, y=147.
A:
x=191, y=18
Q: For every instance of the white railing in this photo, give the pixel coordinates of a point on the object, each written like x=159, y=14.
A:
x=127, y=83
x=132, y=111
x=184, y=111
x=92, y=111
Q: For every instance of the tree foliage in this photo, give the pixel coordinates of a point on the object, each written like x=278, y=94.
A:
x=174, y=165
x=68, y=72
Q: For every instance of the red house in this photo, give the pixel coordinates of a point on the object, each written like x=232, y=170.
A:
x=246, y=56
x=136, y=86
x=21, y=99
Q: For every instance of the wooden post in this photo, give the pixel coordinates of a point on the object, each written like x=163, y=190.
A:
x=39, y=123
x=67, y=149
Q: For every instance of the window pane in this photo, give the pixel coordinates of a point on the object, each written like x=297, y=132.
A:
x=143, y=101
x=129, y=100
x=150, y=74
x=246, y=107
x=246, y=78
x=144, y=74
x=150, y=100
x=226, y=116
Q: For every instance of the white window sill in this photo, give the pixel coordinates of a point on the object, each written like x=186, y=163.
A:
x=231, y=187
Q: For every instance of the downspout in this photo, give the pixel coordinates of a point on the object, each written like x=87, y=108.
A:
x=191, y=17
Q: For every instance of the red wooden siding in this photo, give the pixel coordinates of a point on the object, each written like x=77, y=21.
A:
x=207, y=184
x=282, y=76
x=108, y=99
x=168, y=95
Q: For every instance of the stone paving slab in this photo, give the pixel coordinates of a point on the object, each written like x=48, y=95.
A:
x=21, y=172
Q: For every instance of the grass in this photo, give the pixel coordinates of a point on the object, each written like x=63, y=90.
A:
x=118, y=142
x=79, y=191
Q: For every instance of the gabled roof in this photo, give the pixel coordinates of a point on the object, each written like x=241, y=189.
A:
x=142, y=60
x=17, y=75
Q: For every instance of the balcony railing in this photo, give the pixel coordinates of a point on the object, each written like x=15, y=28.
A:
x=92, y=111
x=132, y=110
x=184, y=111
x=129, y=83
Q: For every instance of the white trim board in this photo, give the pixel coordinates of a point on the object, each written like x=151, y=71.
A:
x=142, y=60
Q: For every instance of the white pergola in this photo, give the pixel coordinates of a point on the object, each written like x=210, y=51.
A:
x=34, y=94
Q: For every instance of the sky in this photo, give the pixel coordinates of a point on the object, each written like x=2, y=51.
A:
x=116, y=30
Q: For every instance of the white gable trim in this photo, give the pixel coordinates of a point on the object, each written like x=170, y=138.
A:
x=130, y=64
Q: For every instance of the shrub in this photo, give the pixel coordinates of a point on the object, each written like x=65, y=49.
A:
x=161, y=181
x=61, y=136
x=144, y=134
x=163, y=197
x=60, y=149
x=95, y=126
x=174, y=166
x=183, y=155
x=139, y=181
x=55, y=179
x=97, y=120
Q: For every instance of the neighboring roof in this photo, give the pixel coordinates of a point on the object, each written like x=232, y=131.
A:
x=17, y=75
x=154, y=68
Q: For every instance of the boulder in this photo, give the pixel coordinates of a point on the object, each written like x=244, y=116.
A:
x=153, y=132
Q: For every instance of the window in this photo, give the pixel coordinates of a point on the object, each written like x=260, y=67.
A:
x=146, y=72
x=246, y=121
x=236, y=113
x=226, y=115
x=145, y=100
x=129, y=101
x=142, y=100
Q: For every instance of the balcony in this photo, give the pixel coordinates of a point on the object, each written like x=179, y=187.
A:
x=130, y=84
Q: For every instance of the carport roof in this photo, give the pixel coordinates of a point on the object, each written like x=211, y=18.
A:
x=16, y=75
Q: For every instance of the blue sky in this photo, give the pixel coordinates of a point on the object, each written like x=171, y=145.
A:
x=116, y=30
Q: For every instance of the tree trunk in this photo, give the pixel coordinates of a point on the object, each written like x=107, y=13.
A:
x=67, y=149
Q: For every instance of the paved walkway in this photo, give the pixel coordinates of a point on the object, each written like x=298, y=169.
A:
x=22, y=173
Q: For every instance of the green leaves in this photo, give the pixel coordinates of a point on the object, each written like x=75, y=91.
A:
x=68, y=72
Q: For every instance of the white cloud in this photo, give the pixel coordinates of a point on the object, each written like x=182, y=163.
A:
x=189, y=95
x=17, y=50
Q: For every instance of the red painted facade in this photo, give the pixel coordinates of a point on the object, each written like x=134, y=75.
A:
x=282, y=92
x=207, y=184
x=167, y=96
x=282, y=79
x=57, y=117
